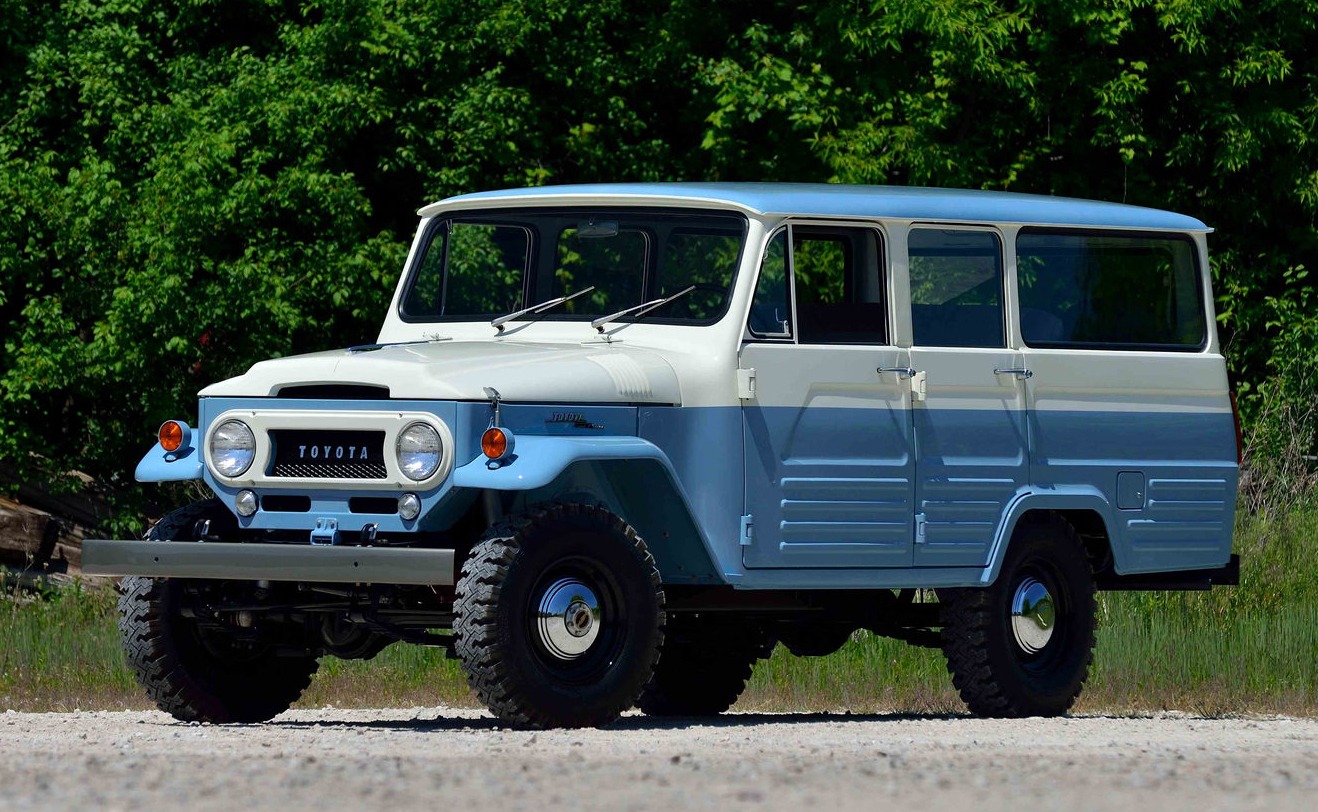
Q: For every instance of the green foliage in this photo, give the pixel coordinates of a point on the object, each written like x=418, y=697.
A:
x=193, y=185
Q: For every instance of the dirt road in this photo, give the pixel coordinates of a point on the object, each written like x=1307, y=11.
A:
x=457, y=759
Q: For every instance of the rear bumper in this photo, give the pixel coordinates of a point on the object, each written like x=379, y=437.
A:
x=268, y=562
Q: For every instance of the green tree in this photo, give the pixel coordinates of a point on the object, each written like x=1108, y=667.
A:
x=193, y=185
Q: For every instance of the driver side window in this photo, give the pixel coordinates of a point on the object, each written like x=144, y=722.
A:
x=838, y=291
x=771, y=309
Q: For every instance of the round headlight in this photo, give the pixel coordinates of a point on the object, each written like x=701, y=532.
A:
x=419, y=451
x=232, y=448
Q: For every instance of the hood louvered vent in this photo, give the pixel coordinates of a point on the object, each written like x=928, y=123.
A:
x=628, y=377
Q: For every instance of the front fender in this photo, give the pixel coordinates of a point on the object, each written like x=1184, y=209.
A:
x=630, y=476
x=539, y=461
x=160, y=465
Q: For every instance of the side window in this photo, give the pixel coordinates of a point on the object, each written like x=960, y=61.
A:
x=1109, y=290
x=771, y=309
x=956, y=288
x=839, y=290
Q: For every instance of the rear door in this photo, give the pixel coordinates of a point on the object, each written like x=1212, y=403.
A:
x=828, y=431
x=970, y=424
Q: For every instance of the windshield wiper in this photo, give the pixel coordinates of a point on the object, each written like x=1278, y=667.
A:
x=640, y=310
x=537, y=310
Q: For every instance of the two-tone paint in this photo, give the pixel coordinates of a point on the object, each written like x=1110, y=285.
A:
x=770, y=464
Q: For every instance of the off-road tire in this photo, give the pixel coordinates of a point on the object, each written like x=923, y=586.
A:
x=703, y=666
x=994, y=674
x=503, y=581
x=192, y=674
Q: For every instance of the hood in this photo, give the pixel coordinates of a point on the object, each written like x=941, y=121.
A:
x=459, y=370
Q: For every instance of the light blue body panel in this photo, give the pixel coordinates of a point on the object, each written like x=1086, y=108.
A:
x=969, y=465
x=971, y=475
x=1183, y=516
x=901, y=202
x=160, y=465
x=704, y=449
x=829, y=487
x=539, y=461
x=690, y=474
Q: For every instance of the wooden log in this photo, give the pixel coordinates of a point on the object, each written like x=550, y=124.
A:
x=67, y=553
x=23, y=533
x=32, y=538
x=85, y=506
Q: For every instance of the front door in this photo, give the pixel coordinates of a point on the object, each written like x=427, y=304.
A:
x=828, y=432
x=969, y=406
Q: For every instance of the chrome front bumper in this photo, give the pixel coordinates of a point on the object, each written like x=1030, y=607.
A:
x=268, y=562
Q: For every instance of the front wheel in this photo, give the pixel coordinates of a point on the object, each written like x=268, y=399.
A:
x=1022, y=646
x=194, y=671
x=558, y=617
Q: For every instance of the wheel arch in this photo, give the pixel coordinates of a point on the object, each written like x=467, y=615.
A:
x=645, y=494
x=1086, y=509
x=629, y=476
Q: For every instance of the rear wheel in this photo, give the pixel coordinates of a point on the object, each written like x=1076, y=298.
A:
x=558, y=617
x=703, y=666
x=195, y=672
x=1022, y=646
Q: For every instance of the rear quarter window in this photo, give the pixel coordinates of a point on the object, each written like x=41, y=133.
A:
x=1109, y=290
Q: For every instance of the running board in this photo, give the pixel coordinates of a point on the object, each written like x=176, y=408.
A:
x=268, y=562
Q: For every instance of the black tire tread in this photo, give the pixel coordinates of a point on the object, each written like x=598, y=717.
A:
x=702, y=674
x=967, y=616
x=477, y=598
x=147, y=628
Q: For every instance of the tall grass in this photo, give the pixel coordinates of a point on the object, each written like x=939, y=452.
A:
x=1252, y=648
x=60, y=651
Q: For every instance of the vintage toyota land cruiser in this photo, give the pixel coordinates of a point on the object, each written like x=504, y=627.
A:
x=616, y=442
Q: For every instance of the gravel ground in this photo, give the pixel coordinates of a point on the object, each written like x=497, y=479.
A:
x=434, y=759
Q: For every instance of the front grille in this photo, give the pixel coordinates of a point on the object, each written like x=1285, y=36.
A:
x=370, y=470
x=328, y=454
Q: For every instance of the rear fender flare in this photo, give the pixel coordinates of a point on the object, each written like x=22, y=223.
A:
x=1077, y=497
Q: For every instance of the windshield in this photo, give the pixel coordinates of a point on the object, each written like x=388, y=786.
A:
x=479, y=266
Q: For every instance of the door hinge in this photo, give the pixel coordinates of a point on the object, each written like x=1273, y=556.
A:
x=747, y=530
x=920, y=525
x=920, y=385
x=746, y=383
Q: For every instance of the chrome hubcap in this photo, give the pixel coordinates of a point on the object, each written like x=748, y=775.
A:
x=1033, y=615
x=568, y=618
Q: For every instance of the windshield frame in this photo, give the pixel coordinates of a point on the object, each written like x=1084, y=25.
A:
x=537, y=277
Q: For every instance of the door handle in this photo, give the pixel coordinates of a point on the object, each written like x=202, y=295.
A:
x=1024, y=373
x=905, y=372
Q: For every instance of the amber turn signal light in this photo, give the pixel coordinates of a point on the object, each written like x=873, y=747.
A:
x=495, y=442
x=172, y=435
